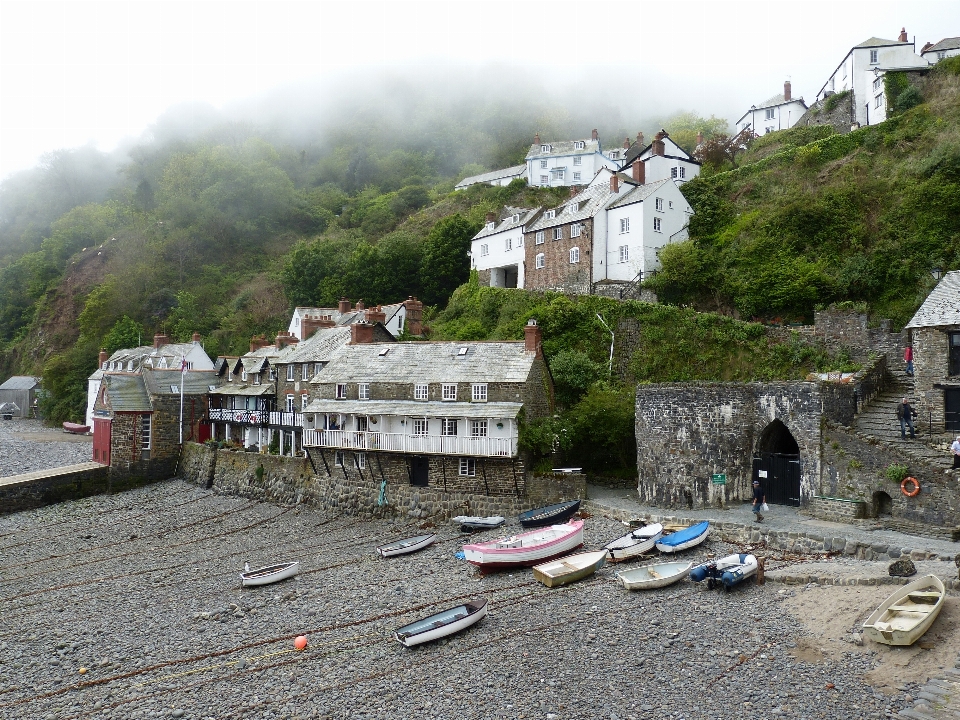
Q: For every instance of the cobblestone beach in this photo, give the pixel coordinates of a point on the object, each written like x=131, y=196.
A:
x=129, y=606
x=26, y=445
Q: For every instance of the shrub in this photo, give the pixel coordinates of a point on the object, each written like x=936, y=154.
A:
x=896, y=473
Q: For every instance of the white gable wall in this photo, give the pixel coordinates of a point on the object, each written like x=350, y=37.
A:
x=784, y=116
x=550, y=176
x=498, y=255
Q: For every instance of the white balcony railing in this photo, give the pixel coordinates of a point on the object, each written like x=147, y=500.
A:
x=256, y=417
x=286, y=419
x=417, y=444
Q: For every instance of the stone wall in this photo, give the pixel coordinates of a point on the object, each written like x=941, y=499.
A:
x=623, y=291
x=931, y=368
x=841, y=116
x=837, y=509
x=686, y=433
x=558, y=273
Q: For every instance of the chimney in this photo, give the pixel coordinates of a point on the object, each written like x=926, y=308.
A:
x=626, y=143
x=104, y=356
x=640, y=139
x=196, y=337
x=574, y=190
x=699, y=137
x=594, y=135
x=926, y=47
x=639, y=172
x=614, y=183
x=359, y=304
x=536, y=139
x=284, y=338
x=658, y=147
x=311, y=323
x=532, y=337
x=160, y=339
x=257, y=342
x=786, y=90
x=361, y=333
x=344, y=306
x=414, y=321
x=376, y=315
x=491, y=217
x=903, y=35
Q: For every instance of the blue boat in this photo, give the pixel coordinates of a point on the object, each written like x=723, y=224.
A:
x=728, y=571
x=684, y=539
x=549, y=515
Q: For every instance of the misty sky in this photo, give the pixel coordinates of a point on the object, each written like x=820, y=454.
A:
x=73, y=73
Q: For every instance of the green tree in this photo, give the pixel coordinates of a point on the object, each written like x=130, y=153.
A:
x=125, y=333
x=445, y=262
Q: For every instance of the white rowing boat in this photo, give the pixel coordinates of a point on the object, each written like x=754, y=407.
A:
x=906, y=615
x=442, y=623
x=269, y=574
x=407, y=545
x=570, y=568
x=655, y=575
x=472, y=522
x=636, y=542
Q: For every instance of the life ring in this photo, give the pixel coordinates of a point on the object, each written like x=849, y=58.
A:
x=910, y=481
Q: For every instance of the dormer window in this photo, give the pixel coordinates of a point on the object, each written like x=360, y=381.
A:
x=491, y=225
x=130, y=365
x=615, y=154
x=243, y=376
x=550, y=214
x=579, y=145
x=516, y=217
x=544, y=148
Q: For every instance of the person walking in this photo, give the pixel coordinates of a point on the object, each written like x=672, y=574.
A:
x=906, y=414
x=908, y=359
x=955, y=449
x=759, y=499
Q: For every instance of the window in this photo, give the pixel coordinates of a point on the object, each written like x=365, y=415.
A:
x=273, y=374
x=576, y=177
x=468, y=467
x=873, y=59
x=520, y=241
x=243, y=376
x=543, y=164
x=448, y=426
x=656, y=225
x=539, y=260
x=878, y=101
x=544, y=148
x=317, y=367
x=341, y=391
x=658, y=203
x=479, y=392
x=305, y=372
x=769, y=114
x=579, y=145
x=290, y=372
x=544, y=180
x=420, y=391
x=516, y=217
x=363, y=391
x=338, y=458
x=673, y=173
x=575, y=230
x=508, y=244
x=484, y=250
x=624, y=253
x=877, y=84
x=574, y=255
x=130, y=365
x=361, y=459
x=558, y=233
x=550, y=214
x=145, y=432
x=449, y=391
x=421, y=426
x=256, y=378
x=683, y=172
x=941, y=55
x=289, y=403
x=558, y=174
x=478, y=428
x=304, y=401
x=614, y=155
x=578, y=160
x=670, y=204
x=175, y=389
x=624, y=225
x=539, y=239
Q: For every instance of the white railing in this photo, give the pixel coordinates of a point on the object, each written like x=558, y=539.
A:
x=286, y=419
x=418, y=444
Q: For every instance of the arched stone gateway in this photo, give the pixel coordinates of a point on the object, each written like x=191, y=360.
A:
x=776, y=463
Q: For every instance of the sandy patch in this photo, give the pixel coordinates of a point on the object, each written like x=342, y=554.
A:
x=833, y=613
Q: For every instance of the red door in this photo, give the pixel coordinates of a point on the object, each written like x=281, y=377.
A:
x=101, y=441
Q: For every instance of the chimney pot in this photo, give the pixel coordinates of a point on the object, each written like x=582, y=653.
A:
x=104, y=356
x=343, y=307
x=639, y=172
x=536, y=139
x=699, y=137
x=361, y=333
x=626, y=143
x=491, y=217
x=614, y=183
x=786, y=90
x=658, y=145
x=359, y=304
x=594, y=135
x=414, y=320
x=903, y=35
x=640, y=139
x=196, y=337
x=532, y=336
x=376, y=315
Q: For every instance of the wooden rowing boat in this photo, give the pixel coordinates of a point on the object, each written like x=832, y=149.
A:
x=684, y=539
x=526, y=549
x=76, y=428
x=906, y=615
x=655, y=575
x=269, y=574
x=569, y=569
x=635, y=542
x=469, y=522
x=442, y=623
x=407, y=545
x=549, y=515
x=727, y=571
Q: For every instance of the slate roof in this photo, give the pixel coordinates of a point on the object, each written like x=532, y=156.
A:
x=20, y=382
x=514, y=171
x=506, y=221
x=942, y=306
x=779, y=99
x=430, y=362
x=637, y=193
x=945, y=44
x=319, y=347
x=564, y=147
x=414, y=408
x=352, y=316
x=126, y=392
x=879, y=42
x=195, y=382
x=243, y=389
x=583, y=205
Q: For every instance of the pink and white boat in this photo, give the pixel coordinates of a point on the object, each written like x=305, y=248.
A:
x=526, y=549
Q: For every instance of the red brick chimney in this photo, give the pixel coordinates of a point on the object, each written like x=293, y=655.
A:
x=414, y=321
x=160, y=339
x=344, y=307
x=594, y=135
x=311, y=323
x=614, y=183
x=359, y=304
x=626, y=143
x=786, y=90
x=639, y=172
x=574, y=190
x=658, y=146
x=376, y=315
x=536, y=139
x=640, y=139
x=196, y=337
x=361, y=333
x=532, y=337
x=491, y=217
x=257, y=342
x=284, y=338
x=104, y=356
x=699, y=137
x=903, y=35
x=926, y=47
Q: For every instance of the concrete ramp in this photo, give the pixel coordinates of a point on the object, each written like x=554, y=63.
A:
x=44, y=487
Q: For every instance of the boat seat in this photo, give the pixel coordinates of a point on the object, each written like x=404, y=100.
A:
x=923, y=609
x=568, y=565
x=654, y=574
x=924, y=596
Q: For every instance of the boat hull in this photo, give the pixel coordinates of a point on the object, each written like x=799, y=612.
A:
x=634, y=543
x=526, y=549
x=75, y=428
x=406, y=546
x=569, y=569
x=269, y=574
x=479, y=523
x=685, y=539
x=442, y=624
x=549, y=515
x=656, y=575
x=727, y=571
x=908, y=613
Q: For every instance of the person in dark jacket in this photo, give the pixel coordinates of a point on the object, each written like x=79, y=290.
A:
x=906, y=414
x=758, y=500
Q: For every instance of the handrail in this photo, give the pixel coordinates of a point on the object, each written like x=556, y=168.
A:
x=416, y=444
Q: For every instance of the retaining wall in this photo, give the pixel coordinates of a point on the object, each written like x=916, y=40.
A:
x=47, y=487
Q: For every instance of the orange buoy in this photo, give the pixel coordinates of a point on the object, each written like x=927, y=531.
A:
x=82, y=671
x=301, y=642
x=914, y=485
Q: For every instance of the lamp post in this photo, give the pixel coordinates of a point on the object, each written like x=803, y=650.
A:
x=610, y=368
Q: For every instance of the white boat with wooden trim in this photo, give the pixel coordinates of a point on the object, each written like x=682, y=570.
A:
x=526, y=549
x=636, y=542
x=442, y=623
x=472, y=522
x=407, y=545
x=684, y=539
x=569, y=568
x=906, y=615
x=655, y=575
x=269, y=574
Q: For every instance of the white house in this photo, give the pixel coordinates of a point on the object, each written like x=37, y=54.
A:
x=935, y=52
x=663, y=159
x=344, y=314
x=496, y=252
x=777, y=113
x=862, y=71
x=570, y=162
x=495, y=178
